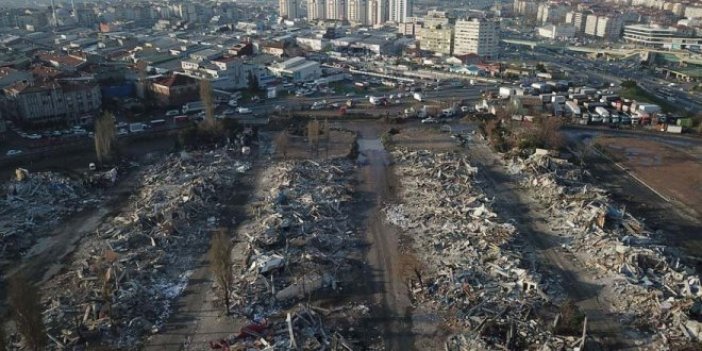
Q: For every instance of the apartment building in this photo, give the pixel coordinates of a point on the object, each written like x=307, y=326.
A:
x=316, y=9
x=576, y=19
x=400, y=10
x=609, y=27
x=357, y=11
x=289, y=9
x=476, y=36
x=336, y=10
x=377, y=12
x=52, y=102
x=437, y=33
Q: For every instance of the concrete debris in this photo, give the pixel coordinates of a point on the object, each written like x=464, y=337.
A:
x=121, y=284
x=473, y=271
x=32, y=202
x=300, y=245
x=651, y=284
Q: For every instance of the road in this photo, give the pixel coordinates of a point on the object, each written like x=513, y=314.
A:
x=384, y=258
x=587, y=70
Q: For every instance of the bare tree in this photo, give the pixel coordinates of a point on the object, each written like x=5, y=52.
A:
x=221, y=264
x=313, y=134
x=281, y=142
x=105, y=137
x=549, y=132
x=104, y=269
x=326, y=130
x=25, y=303
x=207, y=99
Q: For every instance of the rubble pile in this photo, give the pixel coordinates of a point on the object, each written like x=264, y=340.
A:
x=301, y=248
x=652, y=287
x=33, y=202
x=474, y=273
x=123, y=279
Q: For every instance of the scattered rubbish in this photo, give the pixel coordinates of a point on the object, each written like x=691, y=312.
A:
x=124, y=276
x=653, y=289
x=473, y=272
x=34, y=203
x=298, y=248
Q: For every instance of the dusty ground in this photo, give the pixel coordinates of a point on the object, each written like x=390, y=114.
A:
x=417, y=137
x=298, y=147
x=673, y=172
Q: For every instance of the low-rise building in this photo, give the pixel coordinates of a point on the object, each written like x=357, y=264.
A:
x=312, y=43
x=9, y=76
x=174, y=90
x=556, y=32
x=659, y=37
x=298, y=69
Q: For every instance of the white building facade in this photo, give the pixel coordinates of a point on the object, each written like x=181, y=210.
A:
x=476, y=36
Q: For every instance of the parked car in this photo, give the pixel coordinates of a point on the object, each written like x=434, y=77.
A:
x=429, y=120
x=172, y=113
x=13, y=152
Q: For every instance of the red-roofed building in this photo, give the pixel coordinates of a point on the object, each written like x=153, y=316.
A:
x=175, y=90
x=62, y=61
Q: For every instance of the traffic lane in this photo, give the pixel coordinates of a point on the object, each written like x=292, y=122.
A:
x=294, y=101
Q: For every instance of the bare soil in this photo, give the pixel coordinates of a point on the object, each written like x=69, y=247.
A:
x=671, y=171
x=298, y=147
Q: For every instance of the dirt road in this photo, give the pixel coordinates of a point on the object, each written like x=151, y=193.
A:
x=384, y=258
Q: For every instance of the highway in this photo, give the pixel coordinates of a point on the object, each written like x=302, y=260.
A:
x=579, y=68
x=443, y=96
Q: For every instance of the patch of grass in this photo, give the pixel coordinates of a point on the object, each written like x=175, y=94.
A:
x=343, y=87
x=635, y=92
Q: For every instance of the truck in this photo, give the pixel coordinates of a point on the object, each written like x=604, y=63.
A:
x=448, y=112
x=558, y=99
x=506, y=92
x=418, y=97
x=649, y=108
x=137, y=127
x=573, y=108
x=376, y=100
x=602, y=111
x=192, y=107
x=243, y=110
x=319, y=105
x=157, y=122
